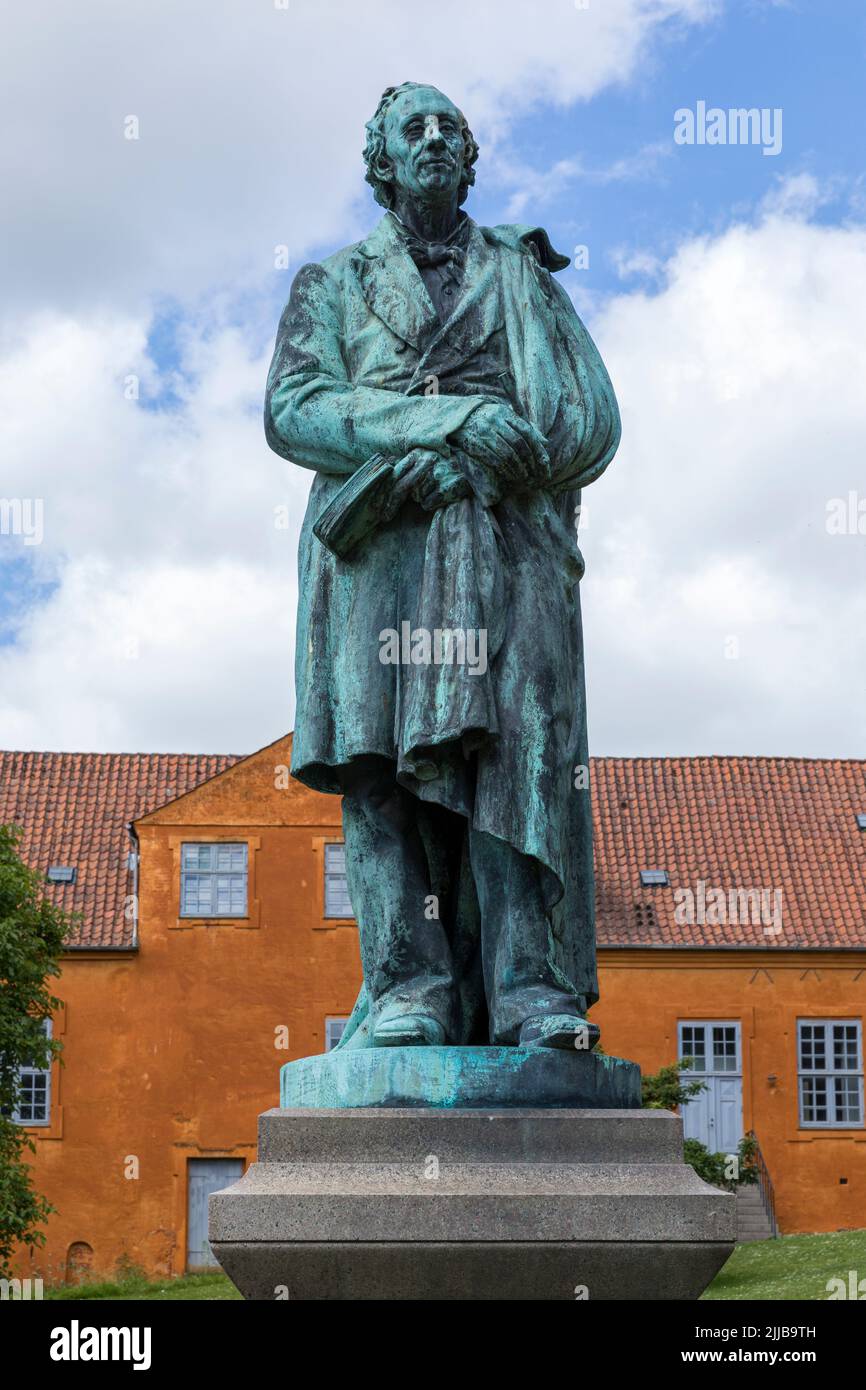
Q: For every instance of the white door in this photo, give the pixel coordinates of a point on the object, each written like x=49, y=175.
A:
x=205, y=1175
x=715, y=1117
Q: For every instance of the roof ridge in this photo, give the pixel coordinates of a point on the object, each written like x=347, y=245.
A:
x=662, y=758
x=719, y=758
x=84, y=753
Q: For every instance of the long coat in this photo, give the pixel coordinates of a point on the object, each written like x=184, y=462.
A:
x=358, y=347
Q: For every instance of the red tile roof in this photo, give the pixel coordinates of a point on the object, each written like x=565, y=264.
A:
x=74, y=809
x=771, y=825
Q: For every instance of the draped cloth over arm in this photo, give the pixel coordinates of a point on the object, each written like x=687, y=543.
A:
x=563, y=389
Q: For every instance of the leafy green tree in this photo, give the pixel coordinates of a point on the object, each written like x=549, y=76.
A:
x=32, y=932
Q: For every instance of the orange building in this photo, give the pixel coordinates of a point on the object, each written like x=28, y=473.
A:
x=216, y=942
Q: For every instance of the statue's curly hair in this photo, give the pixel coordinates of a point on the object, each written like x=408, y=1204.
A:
x=380, y=173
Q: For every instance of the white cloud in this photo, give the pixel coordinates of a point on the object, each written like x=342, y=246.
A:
x=168, y=656
x=251, y=124
x=741, y=385
x=535, y=188
x=798, y=195
x=175, y=586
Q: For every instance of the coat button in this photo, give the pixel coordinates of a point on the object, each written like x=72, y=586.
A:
x=400, y=347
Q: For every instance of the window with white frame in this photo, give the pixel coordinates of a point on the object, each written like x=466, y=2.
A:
x=334, y=1031
x=34, y=1091
x=712, y=1047
x=337, y=900
x=830, y=1072
x=213, y=880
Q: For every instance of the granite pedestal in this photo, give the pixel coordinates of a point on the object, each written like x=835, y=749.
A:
x=411, y=1201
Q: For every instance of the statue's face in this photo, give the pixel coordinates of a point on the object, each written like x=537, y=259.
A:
x=424, y=142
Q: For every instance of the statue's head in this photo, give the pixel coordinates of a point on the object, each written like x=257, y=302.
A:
x=419, y=141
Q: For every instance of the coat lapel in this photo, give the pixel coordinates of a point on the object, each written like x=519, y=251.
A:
x=392, y=285
x=394, y=289
x=477, y=313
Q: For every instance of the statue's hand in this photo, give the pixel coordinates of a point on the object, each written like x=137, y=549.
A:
x=430, y=479
x=505, y=445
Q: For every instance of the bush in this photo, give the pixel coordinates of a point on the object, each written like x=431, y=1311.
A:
x=727, y=1171
x=666, y=1090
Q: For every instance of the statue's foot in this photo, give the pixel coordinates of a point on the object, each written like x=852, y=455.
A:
x=409, y=1030
x=559, y=1030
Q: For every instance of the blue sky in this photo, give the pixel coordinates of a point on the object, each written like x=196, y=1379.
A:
x=725, y=288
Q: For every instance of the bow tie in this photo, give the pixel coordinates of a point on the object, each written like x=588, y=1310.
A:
x=430, y=255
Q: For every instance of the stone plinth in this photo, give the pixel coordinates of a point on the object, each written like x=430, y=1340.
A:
x=460, y=1077
x=432, y=1203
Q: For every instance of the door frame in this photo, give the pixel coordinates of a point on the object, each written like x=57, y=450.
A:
x=709, y=1075
x=181, y=1153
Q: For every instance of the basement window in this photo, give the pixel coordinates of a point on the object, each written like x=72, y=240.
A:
x=654, y=878
x=62, y=873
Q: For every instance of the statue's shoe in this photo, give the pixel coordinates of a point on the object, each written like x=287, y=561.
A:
x=409, y=1030
x=559, y=1030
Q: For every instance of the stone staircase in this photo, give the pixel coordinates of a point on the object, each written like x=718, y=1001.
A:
x=752, y=1220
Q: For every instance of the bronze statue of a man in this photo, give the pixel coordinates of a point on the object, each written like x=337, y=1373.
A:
x=439, y=383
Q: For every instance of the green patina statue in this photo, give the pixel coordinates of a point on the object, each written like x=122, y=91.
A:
x=439, y=383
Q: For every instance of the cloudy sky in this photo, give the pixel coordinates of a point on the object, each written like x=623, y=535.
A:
x=148, y=537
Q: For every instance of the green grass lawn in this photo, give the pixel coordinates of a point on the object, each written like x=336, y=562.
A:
x=136, y=1288
x=794, y=1267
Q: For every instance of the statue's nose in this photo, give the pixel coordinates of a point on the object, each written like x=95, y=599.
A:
x=432, y=134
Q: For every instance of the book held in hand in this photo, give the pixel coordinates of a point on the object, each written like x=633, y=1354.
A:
x=362, y=504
